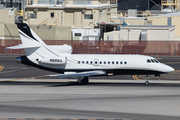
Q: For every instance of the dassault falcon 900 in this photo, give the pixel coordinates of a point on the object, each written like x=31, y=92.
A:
x=59, y=58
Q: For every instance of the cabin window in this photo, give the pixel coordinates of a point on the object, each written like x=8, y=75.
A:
x=96, y=62
x=104, y=62
x=79, y=62
x=117, y=62
x=125, y=62
x=112, y=62
x=148, y=61
x=108, y=62
x=91, y=62
x=121, y=62
x=82, y=62
x=100, y=62
x=87, y=62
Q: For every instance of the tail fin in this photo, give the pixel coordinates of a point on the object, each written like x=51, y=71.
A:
x=34, y=47
x=28, y=36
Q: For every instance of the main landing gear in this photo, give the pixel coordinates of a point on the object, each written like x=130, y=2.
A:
x=83, y=80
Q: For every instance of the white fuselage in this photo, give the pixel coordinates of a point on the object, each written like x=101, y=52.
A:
x=85, y=62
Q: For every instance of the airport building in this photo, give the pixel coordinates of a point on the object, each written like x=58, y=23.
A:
x=141, y=33
x=139, y=4
x=92, y=24
x=77, y=14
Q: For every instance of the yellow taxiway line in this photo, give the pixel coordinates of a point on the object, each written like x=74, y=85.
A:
x=1, y=67
x=135, y=77
x=26, y=78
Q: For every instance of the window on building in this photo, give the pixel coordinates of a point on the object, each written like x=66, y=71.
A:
x=33, y=15
x=52, y=14
x=103, y=1
x=53, y=2
x=88, y=16
x=81, y=2
x=77, y=34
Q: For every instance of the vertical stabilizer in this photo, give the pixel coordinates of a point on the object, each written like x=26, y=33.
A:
x=30, y=38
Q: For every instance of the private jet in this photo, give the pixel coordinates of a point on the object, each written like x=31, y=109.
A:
x=58, y=58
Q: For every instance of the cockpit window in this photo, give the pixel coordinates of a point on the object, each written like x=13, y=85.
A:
x=156, y=60
x=152, y=60
x=148, y=61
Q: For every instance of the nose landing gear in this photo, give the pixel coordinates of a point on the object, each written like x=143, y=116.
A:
x=146, y=80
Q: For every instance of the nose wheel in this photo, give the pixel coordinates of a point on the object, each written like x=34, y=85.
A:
x=147, y=82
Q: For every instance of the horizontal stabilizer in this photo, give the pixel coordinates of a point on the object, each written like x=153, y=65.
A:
x=81, y=74
x=21, y=46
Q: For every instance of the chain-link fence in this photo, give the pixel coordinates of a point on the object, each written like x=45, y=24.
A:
x=154, y=48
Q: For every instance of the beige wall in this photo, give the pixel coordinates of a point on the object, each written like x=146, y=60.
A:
x=154, y=35
x=163, y=21
x=6, y=17
x=134, y=21
x=176, y=22
x=44, y=32
x=70, y=17
x=158, y=20
x=133, y=34
x=2, y=30
x=10, y=31
x=130, y=21
x=124, y=35
x=52, y=32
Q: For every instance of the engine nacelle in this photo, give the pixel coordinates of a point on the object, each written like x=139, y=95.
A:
x=54, y=61
x=59, y=49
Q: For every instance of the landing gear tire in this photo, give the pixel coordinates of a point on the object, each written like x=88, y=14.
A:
x=146, y=83
x=83, y=80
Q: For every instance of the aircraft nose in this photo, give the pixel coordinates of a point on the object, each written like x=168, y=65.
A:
x=18, y=59
x=171, y=69
x=168, y=69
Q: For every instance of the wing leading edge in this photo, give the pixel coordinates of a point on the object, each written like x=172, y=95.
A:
x=82, y=74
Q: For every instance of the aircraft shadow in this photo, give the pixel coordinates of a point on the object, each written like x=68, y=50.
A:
x=61, y=84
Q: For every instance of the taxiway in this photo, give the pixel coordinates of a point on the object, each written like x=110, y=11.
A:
x=27, y=92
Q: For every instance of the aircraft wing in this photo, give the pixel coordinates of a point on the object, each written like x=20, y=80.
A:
x=82, y=74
